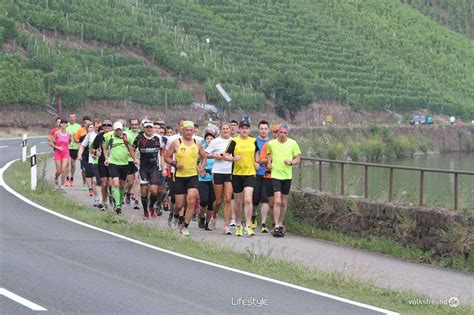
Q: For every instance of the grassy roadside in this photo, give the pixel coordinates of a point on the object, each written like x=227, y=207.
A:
x=17, y=176
x=379, y=245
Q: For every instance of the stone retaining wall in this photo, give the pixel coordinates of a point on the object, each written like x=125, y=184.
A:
x=439, y=231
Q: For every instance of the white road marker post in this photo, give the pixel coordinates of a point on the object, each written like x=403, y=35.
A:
x=24, y=145
x=34, y=177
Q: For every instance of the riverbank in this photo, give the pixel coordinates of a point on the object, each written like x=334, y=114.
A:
x=381, y=142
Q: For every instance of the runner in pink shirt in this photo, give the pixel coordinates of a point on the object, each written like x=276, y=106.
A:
x=60, y=142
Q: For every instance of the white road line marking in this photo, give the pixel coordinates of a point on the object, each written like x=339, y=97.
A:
x=3, y=146
x=249, y=274
x=21, y=300
x=42, y=142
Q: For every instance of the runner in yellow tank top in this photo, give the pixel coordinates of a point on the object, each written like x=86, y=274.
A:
x=187, y=156
x=187, y=153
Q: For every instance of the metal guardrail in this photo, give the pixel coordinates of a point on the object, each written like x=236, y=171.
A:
x=366, y=166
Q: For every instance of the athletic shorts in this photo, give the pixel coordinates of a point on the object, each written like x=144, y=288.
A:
x=120, y=171
x=132, y=168
x=182, y=184
x=282, y=185
x=151, y=176
x=259, y=191
x=220, y=179
x=207, y=195
x=86, y=167
x=267, y=182
x=73, y=153
x=95, y=170
x=61, y=155
x=239, y=182
x=103, y=170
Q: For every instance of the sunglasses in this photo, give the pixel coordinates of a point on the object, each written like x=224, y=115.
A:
x=106, y=125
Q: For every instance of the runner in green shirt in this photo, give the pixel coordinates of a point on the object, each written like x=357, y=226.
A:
x=72, y=128
x=132, y=177
x=116, y=151
x=283, y=153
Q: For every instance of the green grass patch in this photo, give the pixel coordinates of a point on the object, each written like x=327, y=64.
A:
x=17, y=176
x=380, y=245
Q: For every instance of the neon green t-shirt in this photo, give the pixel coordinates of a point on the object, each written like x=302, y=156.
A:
x=280, y=152
x=118, y=151
x=131, y=135
x=72, y=129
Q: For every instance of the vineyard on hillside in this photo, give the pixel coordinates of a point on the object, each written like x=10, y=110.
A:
x=369, y=54
x=458, y=15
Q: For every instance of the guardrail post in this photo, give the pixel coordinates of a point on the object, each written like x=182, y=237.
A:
x=390, y=185
x=422, y=184
x=33, y=168
x=366, y=181
x=320, y=176
x=23, y=146
x=342, y=178
x=456, y=191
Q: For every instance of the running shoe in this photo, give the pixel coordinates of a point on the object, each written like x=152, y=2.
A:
x=249, y=231
x=127, y=199
x=111, y=200
x=206, y=227
x=91, y=192
x=184, y=231
x=202, y=222
x=170, y=219
x=227, y=230
x=71, y=183
x=118, y=209
x=238, y=230
x=278, y=232
x=137, y=205
x=232, y=222
x=159, y=210
x=212, y=224
x=62, y=188
x=175, y=223
x=96, y=203
x=102, y=207
x=132, y=196
x=56, y=182
x=253, y=225
x=264, y=229
x=146, y=216
x=153, y=213
x=194, y=216
x=165, y=205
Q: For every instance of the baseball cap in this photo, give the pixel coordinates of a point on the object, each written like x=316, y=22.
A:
x=147, y=123
x=118, y=125
x=107, y=122
x=233, y=121
x=275, y=128
x=244, y=123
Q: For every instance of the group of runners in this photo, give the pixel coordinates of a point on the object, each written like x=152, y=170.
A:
x=181, y=172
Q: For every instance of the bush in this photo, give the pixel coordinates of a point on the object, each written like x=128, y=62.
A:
x=336, y=151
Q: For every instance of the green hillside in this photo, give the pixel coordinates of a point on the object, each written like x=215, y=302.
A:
x=366, y=53
x=457, y=15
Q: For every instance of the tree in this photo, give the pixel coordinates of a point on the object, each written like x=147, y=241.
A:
x=291, y=93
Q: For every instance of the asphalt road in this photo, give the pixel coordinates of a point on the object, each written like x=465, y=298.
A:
x=65, y=268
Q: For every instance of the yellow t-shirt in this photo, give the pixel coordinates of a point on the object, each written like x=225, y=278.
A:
x=246, y=148
x=187, y=156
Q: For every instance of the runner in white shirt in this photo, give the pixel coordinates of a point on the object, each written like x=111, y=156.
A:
x=221, y=176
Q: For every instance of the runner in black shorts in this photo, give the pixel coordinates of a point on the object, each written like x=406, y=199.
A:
x=101, y=170
x=151, y=148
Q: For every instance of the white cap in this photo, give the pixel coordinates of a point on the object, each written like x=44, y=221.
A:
x=148, y=123
x=118, y=125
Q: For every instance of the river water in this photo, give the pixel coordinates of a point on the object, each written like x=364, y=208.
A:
x=438, y=190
